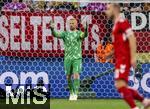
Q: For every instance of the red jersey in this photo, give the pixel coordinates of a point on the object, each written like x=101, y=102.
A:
x=121, y=31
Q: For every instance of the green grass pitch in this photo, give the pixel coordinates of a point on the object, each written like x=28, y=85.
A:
x=88, y=104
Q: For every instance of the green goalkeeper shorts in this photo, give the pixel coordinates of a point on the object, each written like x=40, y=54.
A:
x=73, y=66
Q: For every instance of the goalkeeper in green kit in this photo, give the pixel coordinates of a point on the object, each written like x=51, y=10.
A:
x=73, y=55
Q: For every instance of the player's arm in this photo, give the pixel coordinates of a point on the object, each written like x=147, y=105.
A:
x=54, y=33
x=85, y=33
x=132, y=44
x=126, y=27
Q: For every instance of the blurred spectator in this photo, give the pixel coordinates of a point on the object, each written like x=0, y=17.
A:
x=1, y=4
x=66, y=6
x=39, y=5
x=15, y=5
x=136, y=7
x=147, y=7
x=83, y=5
x=29, y=4
x=124, y=6
x=96, y=6
x=76, y=5
x=49, y=6
x=103, y=51
x=132, y=7
x=52, y=5
x=62, y=5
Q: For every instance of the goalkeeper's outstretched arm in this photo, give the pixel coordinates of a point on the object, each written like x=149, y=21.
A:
x=85, y=34
x=54, y=33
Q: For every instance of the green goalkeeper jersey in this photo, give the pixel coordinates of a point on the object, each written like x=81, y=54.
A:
x=72, y=42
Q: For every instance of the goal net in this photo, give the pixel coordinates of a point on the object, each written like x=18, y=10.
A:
x=27, y=44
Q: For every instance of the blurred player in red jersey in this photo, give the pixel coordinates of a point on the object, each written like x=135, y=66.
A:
x=125, y=56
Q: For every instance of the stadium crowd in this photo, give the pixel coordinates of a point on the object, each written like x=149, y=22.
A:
x=36, y=5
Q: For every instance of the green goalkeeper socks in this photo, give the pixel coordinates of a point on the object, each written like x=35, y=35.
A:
x=76, y=85
x=70, y=85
